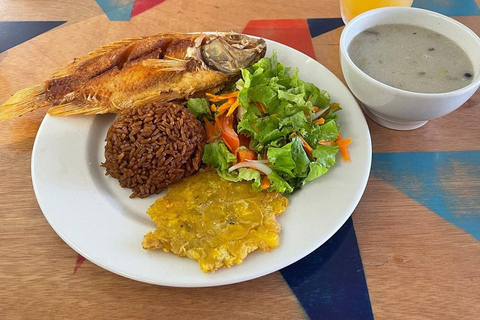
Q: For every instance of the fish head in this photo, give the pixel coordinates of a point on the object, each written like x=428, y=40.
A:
x=229, y=52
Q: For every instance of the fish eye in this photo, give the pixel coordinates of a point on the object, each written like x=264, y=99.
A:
x=235, y=37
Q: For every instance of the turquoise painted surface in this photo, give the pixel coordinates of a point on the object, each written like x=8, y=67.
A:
x=117, y=10
x=448, y=183
x=450, y=7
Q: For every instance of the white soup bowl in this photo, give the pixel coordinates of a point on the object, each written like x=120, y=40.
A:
x=396, y=108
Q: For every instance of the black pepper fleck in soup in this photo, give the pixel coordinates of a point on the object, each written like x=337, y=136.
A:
x=371, y=32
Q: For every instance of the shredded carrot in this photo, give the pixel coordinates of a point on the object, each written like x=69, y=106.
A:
x=225, y=96
x=332, y=107
x=224, y=107
x=306, y=146
x=231, y=104
x=265, y=183
x=275, y=115
x=213, y=98
x=213, y=108
x=218, y=122
x=233, y=107
x=327, y=143
x=320, y=121
x=212, y=130
x=342, y=144
x=261, y=106
x=345, y=154
x=208, y=129
x=233, y=94
x=315, y=109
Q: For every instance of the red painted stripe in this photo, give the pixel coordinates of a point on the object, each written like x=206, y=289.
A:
x=143, y=5
x=292, y=32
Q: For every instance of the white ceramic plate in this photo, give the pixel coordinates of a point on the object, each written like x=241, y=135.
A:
x=96, y=217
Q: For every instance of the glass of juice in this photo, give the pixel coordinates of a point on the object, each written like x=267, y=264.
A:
x=352, y=8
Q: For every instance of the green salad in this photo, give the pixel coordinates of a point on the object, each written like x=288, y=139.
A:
x=272, y=128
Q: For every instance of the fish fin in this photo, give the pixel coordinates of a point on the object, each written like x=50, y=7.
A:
x=24, y=101
x=123, y=58
x=150, y=99
x=166, y=65
x=71, y=68
x=76, y=107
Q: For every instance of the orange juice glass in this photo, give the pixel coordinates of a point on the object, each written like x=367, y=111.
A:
x=352, y=8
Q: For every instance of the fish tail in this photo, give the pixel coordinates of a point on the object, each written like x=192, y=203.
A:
x=24, y=101
x=77, y=107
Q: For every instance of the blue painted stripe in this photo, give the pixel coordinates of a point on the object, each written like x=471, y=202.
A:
x=117, y=10
x=13, y=33
x=320, y=26
x=330, y=282
x=450, y=7
x=448, y=183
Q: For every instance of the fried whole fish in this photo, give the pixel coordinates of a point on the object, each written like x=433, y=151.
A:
x=136, y=71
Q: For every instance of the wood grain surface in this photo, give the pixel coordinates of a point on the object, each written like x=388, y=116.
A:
x=418, y=266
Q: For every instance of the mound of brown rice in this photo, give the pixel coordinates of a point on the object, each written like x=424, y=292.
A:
x=152, y=146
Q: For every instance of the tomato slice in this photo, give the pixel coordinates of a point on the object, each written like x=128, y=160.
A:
x=229, y=135
x=245, y=154
x=244, y=140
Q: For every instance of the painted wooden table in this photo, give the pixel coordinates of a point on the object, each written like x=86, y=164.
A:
x=410, y=251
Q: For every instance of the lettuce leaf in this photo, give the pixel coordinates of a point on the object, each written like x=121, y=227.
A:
x=325, y=155
x=279, y=184
x=242, y=174
x=281, y=159
x=200, y=108
x=315, y=172
x=300, y=158
x=217, y=154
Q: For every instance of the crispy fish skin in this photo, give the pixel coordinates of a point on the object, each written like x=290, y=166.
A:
x=214, y=221
x=137, y=71
x=138, y=84
x=101, y=60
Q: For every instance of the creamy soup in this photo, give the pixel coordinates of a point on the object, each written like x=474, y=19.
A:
x=411, y=58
